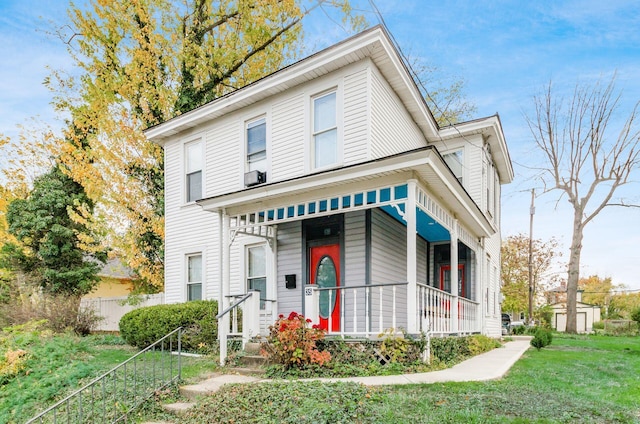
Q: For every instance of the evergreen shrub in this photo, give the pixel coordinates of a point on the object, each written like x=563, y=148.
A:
x=541, y=338
x=143, y=326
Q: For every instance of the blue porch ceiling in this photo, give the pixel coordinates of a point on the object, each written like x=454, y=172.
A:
x=426, y=226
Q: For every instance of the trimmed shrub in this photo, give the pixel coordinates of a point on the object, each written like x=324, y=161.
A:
x=143, y=326
x=541, y=338
x=451, y=350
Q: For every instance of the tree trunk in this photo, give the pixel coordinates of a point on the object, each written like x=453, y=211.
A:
x=574, y=271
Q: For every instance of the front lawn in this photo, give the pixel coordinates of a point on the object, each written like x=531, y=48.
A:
x=50, y=366
x=594, y=379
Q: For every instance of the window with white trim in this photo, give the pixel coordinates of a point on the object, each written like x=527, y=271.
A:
x=455, y=161
x=325, y=131
x=193, y=173
x=257, y=271
x=194, y=277
x=256, y=136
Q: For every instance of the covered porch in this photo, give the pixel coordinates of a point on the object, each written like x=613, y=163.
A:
x=405, y=203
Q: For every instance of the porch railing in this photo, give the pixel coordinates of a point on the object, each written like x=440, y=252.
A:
x=111, y=397
x=434, y=308
x=370, y=309
x=364, y=310
x=228, y=322
x=468, y=316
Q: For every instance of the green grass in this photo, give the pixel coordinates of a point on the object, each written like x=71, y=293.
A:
x=593, y=379
x=57, y=365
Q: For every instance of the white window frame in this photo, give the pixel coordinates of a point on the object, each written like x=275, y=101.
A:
x=197, y=144
x=337, y=127
x=454, y=154
x=187, y=278
x=247, y=160
x=247, y=272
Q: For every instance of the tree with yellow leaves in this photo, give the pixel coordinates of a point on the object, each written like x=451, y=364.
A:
x=143, y=62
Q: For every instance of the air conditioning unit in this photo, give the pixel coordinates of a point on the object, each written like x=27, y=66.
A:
x=254, y=177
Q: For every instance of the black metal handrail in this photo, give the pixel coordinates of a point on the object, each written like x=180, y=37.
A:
x=116, y=393
x=234, y=305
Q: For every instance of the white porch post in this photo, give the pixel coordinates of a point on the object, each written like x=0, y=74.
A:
x=454, y=277
x=311, y=303
x=480, y=273
x=251, y=317
x=225, y=286
x=412, y=265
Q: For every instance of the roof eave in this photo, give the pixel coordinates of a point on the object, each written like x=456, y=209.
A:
x=366, y=44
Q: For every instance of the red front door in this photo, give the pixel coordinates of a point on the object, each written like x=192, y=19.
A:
x=324, y=270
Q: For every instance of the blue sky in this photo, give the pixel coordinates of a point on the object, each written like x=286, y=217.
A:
x=506, y=51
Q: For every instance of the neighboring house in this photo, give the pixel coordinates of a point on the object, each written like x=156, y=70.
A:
x=586, y=314
x=110, y=299
x=329, y=188
x=116, y=279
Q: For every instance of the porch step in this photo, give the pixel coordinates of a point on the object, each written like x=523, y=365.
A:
x=253, y=348
x=246, y=371
x=253, y=361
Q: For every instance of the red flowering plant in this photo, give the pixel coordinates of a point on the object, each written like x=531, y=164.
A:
x=292, y=342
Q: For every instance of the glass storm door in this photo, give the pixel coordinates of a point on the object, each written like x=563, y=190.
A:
x=325, y=272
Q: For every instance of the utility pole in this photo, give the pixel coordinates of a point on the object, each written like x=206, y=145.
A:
x=532, y=211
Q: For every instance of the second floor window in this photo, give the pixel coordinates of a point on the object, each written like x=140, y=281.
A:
x=257, y=145
x=325, y=131
x=194, y=171
x=455, y=162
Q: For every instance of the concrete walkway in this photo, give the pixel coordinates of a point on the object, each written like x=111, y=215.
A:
x=487, y=366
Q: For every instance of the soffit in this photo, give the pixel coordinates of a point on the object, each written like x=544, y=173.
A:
x=424, y=164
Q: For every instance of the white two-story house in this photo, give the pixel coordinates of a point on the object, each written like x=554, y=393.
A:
x=327, y=188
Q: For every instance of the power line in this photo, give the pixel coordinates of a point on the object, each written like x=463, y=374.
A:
x=419, y=82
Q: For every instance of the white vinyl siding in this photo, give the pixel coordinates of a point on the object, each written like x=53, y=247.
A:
x=290, y=262
x=288, y=138
x=388, y=262
x=355, y=272
x=224, y=150
x=184, y=233
x=355, y=267
x=356, y=117
x=392, y=129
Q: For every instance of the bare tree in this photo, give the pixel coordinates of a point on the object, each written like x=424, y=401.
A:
x=585, y=159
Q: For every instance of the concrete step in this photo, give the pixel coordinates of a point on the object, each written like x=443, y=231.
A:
x=252, y=361
x=213, y=384
x=248, y=371
x=178, y=408
x=252, y=348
